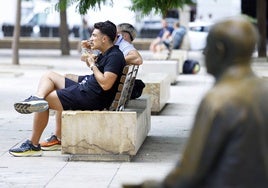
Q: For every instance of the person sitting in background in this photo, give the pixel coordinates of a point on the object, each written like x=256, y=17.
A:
x=176, y=38
x=164, y=34
x=228, y=144
x=126, y=34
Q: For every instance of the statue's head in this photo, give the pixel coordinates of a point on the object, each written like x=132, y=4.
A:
x=229, y=42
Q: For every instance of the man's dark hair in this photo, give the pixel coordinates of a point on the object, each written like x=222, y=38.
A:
x=107, y=28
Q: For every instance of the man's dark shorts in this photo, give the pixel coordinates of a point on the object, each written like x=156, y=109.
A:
x=72, y=98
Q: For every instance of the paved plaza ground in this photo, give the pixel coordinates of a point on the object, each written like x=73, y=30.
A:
x=159, y=153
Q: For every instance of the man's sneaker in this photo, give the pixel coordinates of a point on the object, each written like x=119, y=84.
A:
x=51, y=144
x=26, y=149
x=32, y=104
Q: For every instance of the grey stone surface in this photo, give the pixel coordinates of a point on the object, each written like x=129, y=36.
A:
x=159, y=153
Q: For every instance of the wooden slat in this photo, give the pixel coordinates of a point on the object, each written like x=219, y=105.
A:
x=134, y=75
x=125, y=87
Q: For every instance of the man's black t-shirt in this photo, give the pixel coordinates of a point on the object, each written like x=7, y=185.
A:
x=111, y=61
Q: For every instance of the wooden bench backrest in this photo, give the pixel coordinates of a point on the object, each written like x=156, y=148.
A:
x=132, y=82
x=124, y=88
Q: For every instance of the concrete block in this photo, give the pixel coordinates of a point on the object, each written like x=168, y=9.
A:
x=105, y=135
x=169, y=67
x=157, y=86
x=177, y=55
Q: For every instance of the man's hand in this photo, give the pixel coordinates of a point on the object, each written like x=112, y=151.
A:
x=85, y=47
x=90, y=59
x=85, y=44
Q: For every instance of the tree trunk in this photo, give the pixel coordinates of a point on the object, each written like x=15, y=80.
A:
x=64, y=34
x=16, y=35
x=261, y=17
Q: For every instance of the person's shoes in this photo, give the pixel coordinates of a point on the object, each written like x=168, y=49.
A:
x=51, y=144
x=32, y=104
x=26, y=149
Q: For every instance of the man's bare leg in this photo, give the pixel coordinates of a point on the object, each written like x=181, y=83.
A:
x=47, y=86
x=58, y=124
x=49, y=82
x=59, y=113
x=45, y=145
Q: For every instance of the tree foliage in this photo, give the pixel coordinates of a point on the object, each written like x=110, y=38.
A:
x=82, y=5
x=159, y=6
x=143, y=6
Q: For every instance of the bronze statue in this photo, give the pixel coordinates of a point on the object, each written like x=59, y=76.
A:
x=228, y=145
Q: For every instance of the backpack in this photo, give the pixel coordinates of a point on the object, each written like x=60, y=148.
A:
x=137, y=89
x=191, y=66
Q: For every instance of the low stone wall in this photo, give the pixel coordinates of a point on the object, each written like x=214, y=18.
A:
x=54, y=43
x=142, y=43
x=37, y=43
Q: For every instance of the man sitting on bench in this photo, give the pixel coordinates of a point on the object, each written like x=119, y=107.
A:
x=126, y=33
x=91, y=92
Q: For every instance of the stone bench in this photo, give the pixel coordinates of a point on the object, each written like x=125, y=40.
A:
x=106, y=135
x=157, y=86
x=170, y=67
x=176, y=55
x=109, y=135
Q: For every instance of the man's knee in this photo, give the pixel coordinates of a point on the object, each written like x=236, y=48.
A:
x=48, y=74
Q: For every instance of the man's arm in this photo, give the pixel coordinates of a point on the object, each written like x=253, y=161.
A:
x=133, y=58
x=106, y=79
